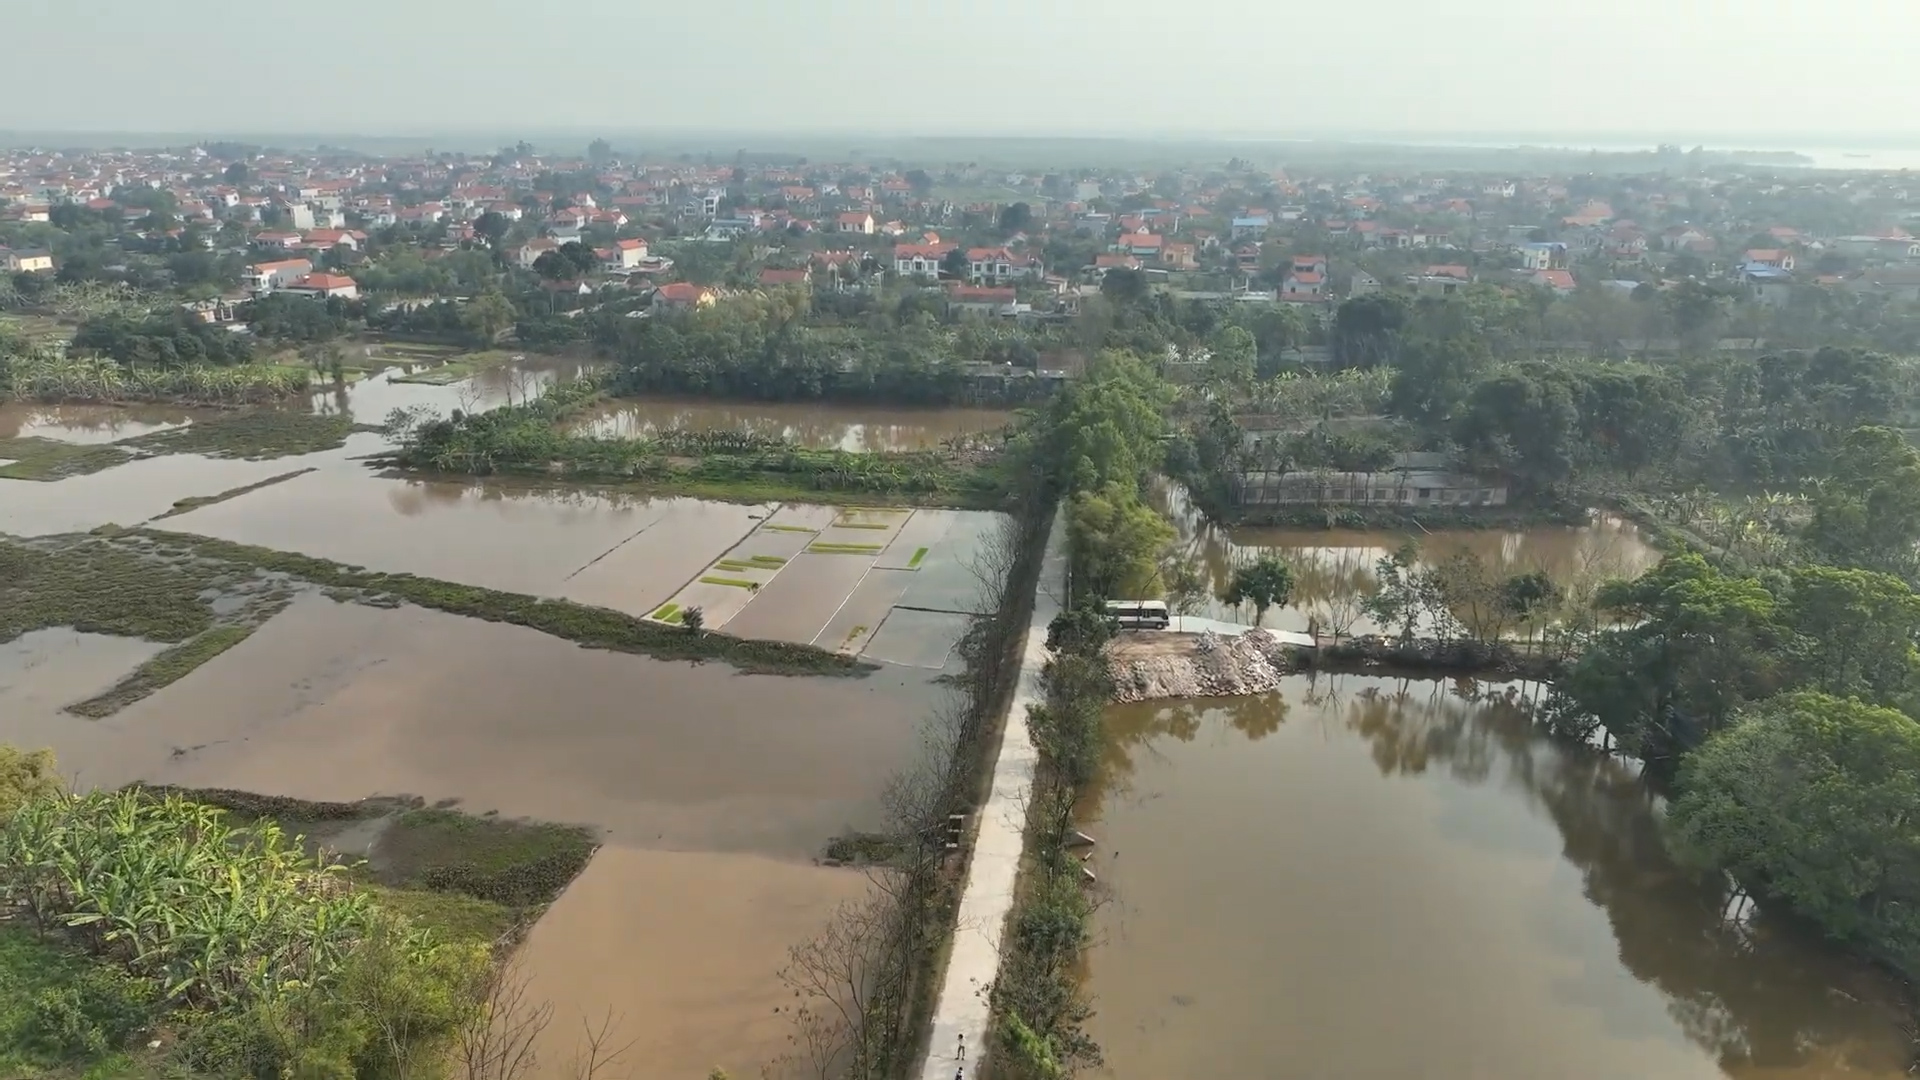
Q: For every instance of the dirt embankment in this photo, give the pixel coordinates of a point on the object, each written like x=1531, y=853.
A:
x=1147, y=667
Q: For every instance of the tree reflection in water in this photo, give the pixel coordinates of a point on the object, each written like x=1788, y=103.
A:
x=1756, y=988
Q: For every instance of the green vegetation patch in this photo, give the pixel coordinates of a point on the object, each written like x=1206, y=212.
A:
x=254, y=434
x=737, y=564
x=169, y=667
x=195, y=502
x=35, y=458
x=99, y=586
x=767, y=560
x=862, y=525
x=919, y=554
x=791, y=529
x=63, y=1013
x=738, y=583
x=594, y=627
x=511, y=863
x=824, y=548
x=665, y=611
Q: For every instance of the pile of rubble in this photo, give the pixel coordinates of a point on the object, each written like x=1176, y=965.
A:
x=1252, y=663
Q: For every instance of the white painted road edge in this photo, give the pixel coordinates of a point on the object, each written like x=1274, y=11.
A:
x=995, y=866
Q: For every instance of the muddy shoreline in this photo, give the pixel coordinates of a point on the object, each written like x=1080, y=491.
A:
x=1154, y=665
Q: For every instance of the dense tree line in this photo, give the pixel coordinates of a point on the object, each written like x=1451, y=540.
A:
x=168, y=337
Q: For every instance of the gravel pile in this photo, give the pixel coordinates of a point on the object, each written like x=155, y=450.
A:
x=1217, y=667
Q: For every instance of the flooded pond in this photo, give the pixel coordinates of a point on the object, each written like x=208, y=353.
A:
x=857, y=428
x=1360, y=877
x=1329, y=564
x=369, y=400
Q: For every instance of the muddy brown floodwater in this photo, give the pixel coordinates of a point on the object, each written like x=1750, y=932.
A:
x=713, y=790
x=1358, y=878
x=859, y=428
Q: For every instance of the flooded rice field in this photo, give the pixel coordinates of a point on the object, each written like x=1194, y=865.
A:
x=713, y=791
x=857, y=428
x=92, y=423
x=1360, y=877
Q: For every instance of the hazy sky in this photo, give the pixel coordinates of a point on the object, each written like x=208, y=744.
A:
x=1705, y=68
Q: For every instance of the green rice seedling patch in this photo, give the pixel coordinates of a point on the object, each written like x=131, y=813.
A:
x=914, y=563
x=738, y=583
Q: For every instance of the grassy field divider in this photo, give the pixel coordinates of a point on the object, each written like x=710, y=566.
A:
x=169, y=667
x=593, y=627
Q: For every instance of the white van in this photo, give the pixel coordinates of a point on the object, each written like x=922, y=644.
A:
x=1138, y=614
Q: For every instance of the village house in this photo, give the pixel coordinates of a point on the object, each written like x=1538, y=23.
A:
x=1776, y=258
x=683, y=296
x=263, y=278
x=920, y=260
x=328, y=239
x=1178, y=256
x=773, y=278
x=625, y=255
x=1543, y=256
x=997, y=266
x=26, y=261
x=982, y=300
x=529, y=253
x=323, y=287
x=856, y=221
x=277, y=239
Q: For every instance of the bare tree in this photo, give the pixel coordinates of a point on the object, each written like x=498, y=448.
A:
x=596, y=1052
x=498, y=1041
x=859, y=958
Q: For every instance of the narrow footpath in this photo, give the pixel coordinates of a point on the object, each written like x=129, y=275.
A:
x=960, y=1016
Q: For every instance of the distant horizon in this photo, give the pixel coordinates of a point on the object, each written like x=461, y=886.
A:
x=1604, y=140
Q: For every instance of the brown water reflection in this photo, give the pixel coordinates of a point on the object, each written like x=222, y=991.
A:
x=685, y=948
x=1330, y=563
x=857, y=428
x=341, y=701
x=92, y=423
x=622, y=551
x=1368, y=878
x=369, y=400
